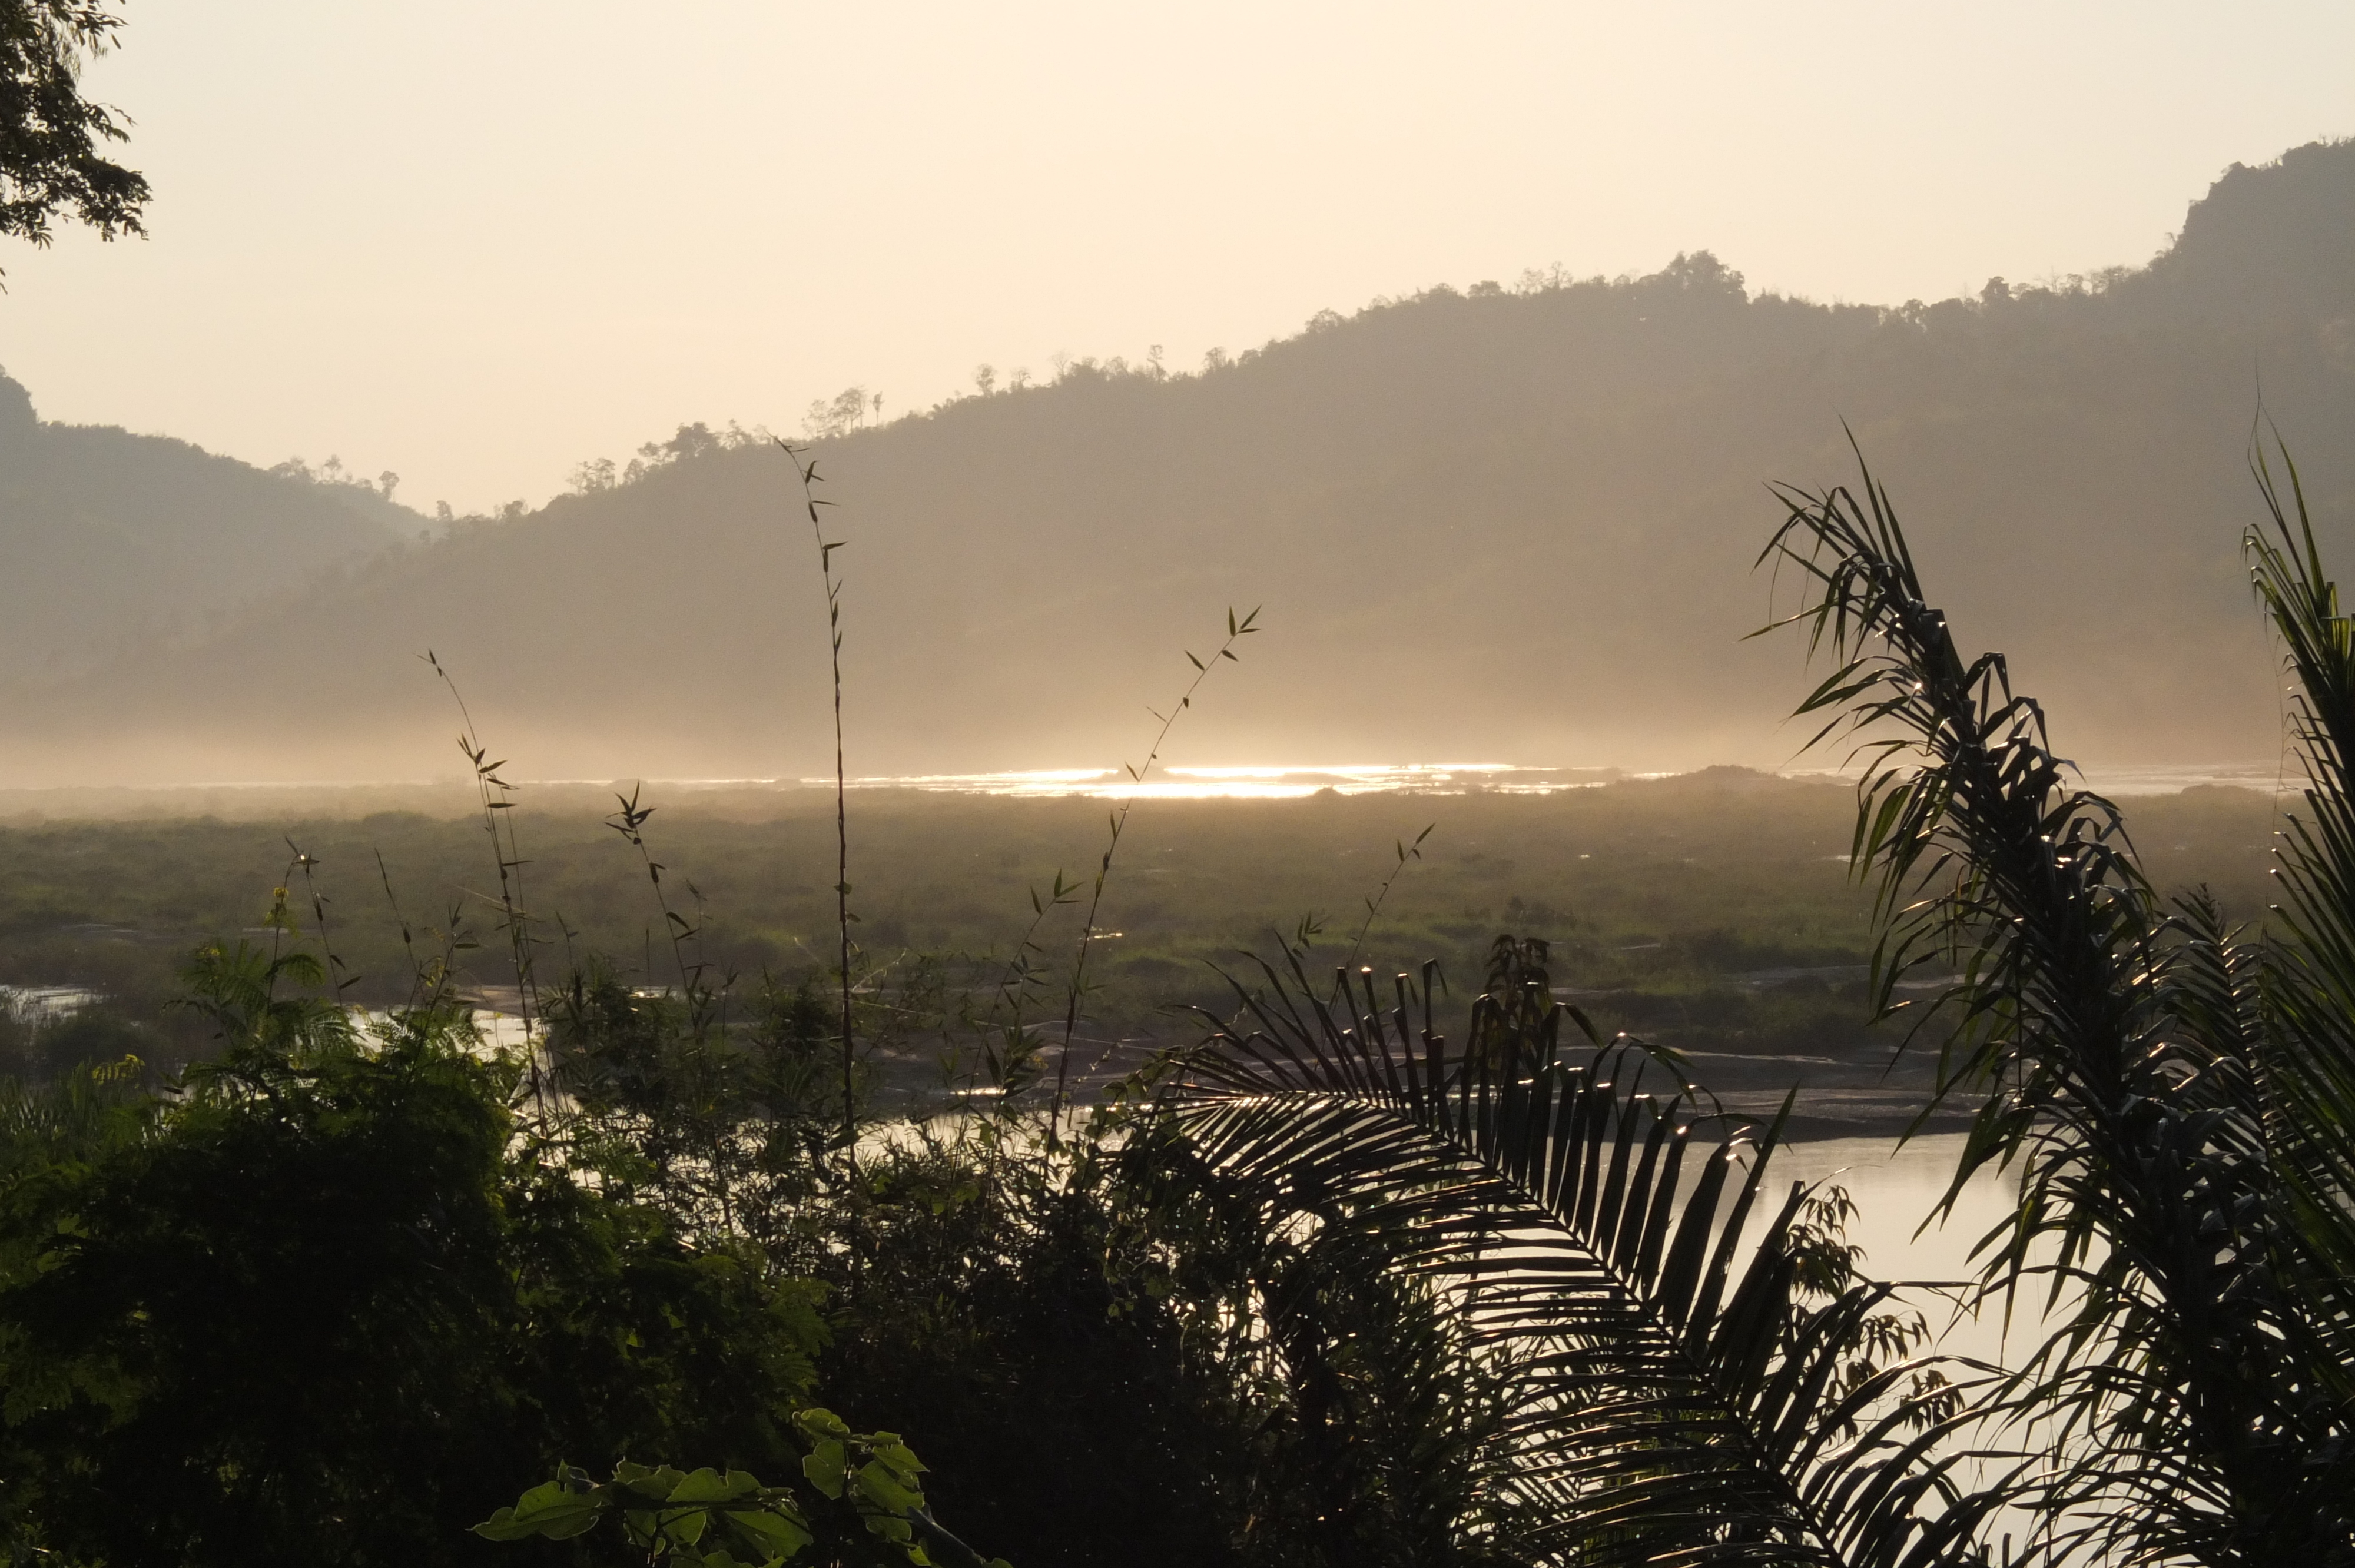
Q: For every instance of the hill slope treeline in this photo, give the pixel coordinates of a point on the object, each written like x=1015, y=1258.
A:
x=120, y=547
x=1510, y=522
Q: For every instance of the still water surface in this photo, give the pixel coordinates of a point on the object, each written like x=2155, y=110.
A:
x=1896, y=1188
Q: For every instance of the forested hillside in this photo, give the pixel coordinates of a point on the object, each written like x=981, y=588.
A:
x=121, y=548
x=1513, y=521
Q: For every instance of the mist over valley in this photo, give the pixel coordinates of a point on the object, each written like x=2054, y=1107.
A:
x=1509, y=523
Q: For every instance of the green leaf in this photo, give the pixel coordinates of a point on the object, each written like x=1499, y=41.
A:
x=824, y=1467
x=708, y=1486
x=880, y=1486
x=552, y=1510
x=774, y=1535
x=655, y=1485
x=898, y=1455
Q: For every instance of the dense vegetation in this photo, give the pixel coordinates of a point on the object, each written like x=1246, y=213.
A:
x=1712, y=913
x=354, y=1283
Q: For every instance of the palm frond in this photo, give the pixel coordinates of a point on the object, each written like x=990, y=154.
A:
x=2184, y=1393
x=1674, y=1399
x=2309, y=977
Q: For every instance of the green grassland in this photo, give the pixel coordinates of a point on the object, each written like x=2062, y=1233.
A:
x=1713, y=912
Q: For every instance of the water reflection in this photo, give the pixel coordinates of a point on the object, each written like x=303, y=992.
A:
x=1896, y=1190
x=1257, y=783
x=47, y=1004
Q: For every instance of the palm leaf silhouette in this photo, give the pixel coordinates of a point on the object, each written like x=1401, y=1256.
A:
x=2174, y=1095
x=2308, y=979
x=1674, y=1400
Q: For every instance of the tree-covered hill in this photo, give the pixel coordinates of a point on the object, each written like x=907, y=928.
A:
x=1512, y=520
x=121, y=547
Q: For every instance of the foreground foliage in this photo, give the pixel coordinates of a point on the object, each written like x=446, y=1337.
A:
x=330, y=1301
x=722, y=1521
x=2174, y=1092
x=49, y=133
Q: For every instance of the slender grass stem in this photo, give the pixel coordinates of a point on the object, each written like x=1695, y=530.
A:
x=1236, y=631
x=1014, y=986
x=506, y=849
x=428, y=984
x=806, y=470
x=336, y=982
x=1406, y=852
x=630, y=822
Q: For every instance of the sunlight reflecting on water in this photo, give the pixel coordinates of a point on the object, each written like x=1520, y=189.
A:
x=1257, y=783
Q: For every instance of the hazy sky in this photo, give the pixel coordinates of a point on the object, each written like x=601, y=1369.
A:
x=477, y=242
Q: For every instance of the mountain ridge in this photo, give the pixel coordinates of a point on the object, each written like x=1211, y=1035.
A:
x=118, y=543
x=1512, y=523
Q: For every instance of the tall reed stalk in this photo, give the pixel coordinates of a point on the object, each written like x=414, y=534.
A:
x=806, y=470
x=491, y=792
x=336, y=980
x=630, y=822
x=1236, y=631
x=429, y=980
x=1406, y=852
